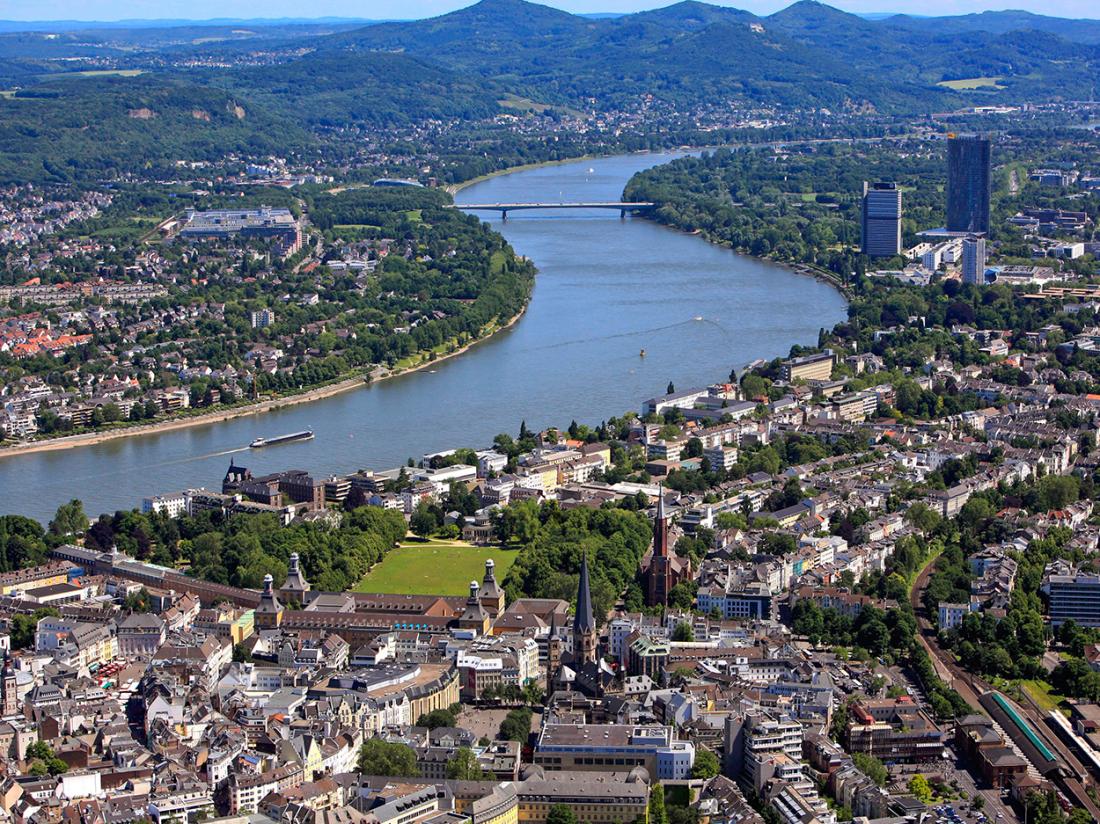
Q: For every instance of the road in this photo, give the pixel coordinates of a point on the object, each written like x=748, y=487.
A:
x=970, y=686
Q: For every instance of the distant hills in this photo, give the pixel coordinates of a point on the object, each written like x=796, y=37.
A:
x=808, y=54
x=463, y=65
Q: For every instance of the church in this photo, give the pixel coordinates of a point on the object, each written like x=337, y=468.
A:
x=581, y=669
x=662, y=568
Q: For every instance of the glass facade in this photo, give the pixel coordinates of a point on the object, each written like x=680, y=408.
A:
x=968, y=184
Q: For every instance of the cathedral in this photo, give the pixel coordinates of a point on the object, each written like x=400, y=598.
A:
x=663, y=568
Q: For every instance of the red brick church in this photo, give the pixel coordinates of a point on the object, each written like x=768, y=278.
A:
x=663, y=568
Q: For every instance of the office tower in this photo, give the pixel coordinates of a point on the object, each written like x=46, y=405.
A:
x=881, y=219
x=973, y=260
x=967, y=183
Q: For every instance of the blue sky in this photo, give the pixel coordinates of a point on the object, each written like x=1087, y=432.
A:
x=404, y=9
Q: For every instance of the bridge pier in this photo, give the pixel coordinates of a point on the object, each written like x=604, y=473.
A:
x=504, y=215
x=622, y=214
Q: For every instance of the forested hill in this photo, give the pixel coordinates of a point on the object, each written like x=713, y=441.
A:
x=806, y=54
x=295, y=85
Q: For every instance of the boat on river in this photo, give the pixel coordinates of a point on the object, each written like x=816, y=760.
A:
x=304, y=435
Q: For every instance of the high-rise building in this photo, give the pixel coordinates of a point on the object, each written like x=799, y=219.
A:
x=973, y=260
x=881, y=235
x=967, y=183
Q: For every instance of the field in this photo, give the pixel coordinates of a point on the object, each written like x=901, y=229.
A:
x=96, y=73
x=1042, y=694
x=969, y=83
x=435, y=567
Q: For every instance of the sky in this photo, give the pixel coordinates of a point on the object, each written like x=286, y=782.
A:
x=406, y=9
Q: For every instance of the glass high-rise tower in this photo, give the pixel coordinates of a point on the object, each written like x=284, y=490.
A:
x=968, y=183
x=881, y=235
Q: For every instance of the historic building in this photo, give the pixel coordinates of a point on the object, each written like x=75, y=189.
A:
x=665, y=568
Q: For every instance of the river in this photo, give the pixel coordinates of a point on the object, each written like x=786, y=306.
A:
x=606, y=289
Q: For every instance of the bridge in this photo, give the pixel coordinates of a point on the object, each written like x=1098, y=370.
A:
x=504, y=208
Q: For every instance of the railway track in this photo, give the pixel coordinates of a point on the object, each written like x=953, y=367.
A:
x=1074, y=777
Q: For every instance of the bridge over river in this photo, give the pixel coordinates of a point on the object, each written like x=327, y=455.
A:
x=504, y=208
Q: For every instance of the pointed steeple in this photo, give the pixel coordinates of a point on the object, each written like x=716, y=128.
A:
x=583, y=622
x=660, y=527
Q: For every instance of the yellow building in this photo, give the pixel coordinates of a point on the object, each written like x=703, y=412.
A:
x=594, y=797
x=817, y=367
x=21, y=580
x=498, y=807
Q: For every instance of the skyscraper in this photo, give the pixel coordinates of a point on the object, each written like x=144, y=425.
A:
x=973, y=260
x=881, y=235
x=967, y=183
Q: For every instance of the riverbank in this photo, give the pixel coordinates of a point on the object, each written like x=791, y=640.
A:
x=222, y=415
x=455, y=188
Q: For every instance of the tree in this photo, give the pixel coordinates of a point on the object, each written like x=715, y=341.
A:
x=378, y=757
x=69, y=520
x=871, y=767
x=683, y=632
x=706, y=764
x=516, y=726
x=464, y=766
x=920, y=788
x=23, y=627
x=138, y=601
x=533, y=693
x=436, y=718
x=682, y=595
x=423, y=521
x=561, y=814
x=657, y=812
x=356, y=498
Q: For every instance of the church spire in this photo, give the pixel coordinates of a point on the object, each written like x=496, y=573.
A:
x=660, y=526
x=584, y=624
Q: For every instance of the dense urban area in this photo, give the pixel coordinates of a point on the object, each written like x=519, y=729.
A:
x=857, y=582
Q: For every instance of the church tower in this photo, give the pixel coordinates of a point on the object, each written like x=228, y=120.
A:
x=269, y=614
x=553, y=653
x=659, y=576
x=584, y=625
x=9, y=700
x=474, y=616
x=491, y=595
x=295, y=586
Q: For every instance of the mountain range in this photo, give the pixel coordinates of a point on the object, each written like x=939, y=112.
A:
x=473, y=62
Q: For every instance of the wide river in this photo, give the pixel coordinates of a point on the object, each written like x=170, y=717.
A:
x=607, y=288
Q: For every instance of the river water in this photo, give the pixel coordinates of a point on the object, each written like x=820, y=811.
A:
x=606, y=289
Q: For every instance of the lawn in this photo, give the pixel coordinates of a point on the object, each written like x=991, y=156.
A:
x=435, y=567
x=972, y=83
x=1042, y=694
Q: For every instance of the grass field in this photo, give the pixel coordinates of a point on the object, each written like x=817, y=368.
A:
x=435, y=567
x=97, y=73
x=972, y=83
x=1042, y=694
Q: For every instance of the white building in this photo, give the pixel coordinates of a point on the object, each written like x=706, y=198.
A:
x=173, y=504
